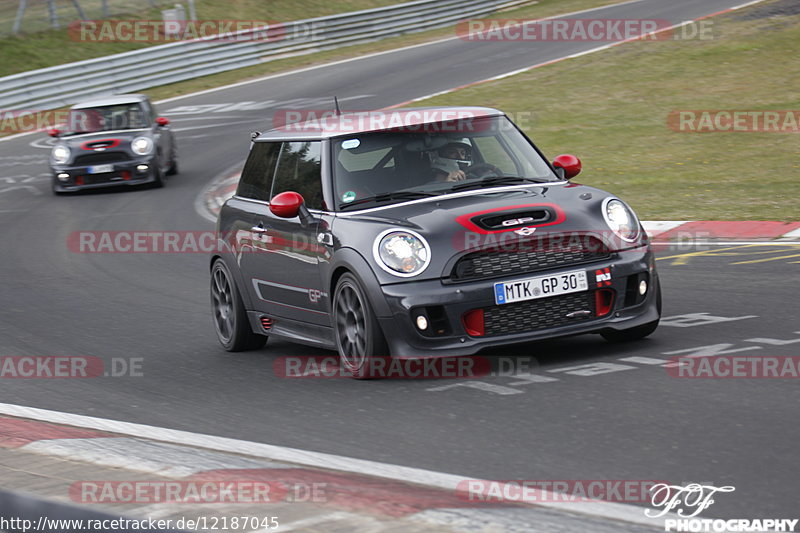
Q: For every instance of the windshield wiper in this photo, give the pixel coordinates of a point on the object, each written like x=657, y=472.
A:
x=492, y=180
x=389, y=196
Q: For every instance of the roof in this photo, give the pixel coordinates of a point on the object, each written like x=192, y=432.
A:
x=316, y=124
x=117, y=99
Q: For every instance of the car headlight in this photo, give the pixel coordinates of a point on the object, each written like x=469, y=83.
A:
x=60, y=154
x=621, y=219
x=142, y=145
x=403, y=253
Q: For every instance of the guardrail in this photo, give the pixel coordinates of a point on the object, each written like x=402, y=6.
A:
x=67, y=84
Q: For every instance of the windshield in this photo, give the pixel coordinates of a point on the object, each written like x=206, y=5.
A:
x=387, y=167
x=106, y=118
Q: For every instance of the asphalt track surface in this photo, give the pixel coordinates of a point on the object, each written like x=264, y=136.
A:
x=628, y=422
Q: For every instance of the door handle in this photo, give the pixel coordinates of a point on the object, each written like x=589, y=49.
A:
x=260, y=228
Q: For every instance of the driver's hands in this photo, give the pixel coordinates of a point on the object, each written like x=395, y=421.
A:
x=456, y=175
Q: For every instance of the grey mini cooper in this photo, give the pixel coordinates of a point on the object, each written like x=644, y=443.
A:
x=422, y=235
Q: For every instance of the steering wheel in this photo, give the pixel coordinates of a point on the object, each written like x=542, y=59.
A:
x=483, y=170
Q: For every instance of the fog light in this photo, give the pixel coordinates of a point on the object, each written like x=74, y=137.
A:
x=63, y=176
x=642, y=287
x=422, y=323
x=141, y=168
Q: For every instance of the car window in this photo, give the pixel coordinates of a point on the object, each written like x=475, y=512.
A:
x=299, y=170
x=256, y=181
x=493, y=153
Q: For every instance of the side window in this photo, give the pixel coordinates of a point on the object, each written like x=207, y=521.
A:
x=299, y=169
x=256, y=180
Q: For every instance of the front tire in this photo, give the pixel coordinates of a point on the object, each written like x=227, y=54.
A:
x=230, y=318
x=173, y=165
x=358, y=334
x=159, y=176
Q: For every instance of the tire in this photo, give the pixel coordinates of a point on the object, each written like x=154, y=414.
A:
x=230, y=318
x=173, y=167
x=639, y=332
x=159, y=177
x=358, y=334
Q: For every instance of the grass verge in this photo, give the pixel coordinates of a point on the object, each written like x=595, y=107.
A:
x=610, y=108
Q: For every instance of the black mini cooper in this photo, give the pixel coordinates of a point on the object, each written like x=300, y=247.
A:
x=117, y=140
x=420, y=235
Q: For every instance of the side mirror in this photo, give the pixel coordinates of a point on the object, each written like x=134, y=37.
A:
x=54, y=132
x=290, y=204
x=162, y=121
x=570, y=164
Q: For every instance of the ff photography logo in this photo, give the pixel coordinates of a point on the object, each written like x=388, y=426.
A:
x=695, y=498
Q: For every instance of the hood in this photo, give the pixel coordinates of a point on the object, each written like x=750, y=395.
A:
x=474, y=220
x=101, y=142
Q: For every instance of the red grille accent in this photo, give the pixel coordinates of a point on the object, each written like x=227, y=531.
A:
x=604, y=301
x=266, y=322
x=473, y=323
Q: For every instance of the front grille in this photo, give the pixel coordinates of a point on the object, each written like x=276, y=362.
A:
x=94, y=179
x=538, y=314
x=100, y=158
x=504, y=261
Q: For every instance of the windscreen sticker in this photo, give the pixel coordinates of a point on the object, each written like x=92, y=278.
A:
x=349, y=196
x=349, y=144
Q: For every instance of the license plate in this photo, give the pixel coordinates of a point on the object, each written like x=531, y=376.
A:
x=540, y=287
x=101, y=169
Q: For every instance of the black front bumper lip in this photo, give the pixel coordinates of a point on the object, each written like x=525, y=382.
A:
x=457, y=299
x=137, y=177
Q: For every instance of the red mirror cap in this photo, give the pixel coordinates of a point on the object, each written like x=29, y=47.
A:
x=570, y=164
x=286, y=204
x=162, y=121
x=54, y=132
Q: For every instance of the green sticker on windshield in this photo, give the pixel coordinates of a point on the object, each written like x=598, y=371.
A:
x=349, y=196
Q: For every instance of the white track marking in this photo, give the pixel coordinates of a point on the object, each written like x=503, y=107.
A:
x=795, y=234
x=654, y=227
x=405, y=474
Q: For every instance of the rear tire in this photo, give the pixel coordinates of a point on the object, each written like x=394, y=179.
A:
x=358, y=334
x=639, y=332
x=230, y=318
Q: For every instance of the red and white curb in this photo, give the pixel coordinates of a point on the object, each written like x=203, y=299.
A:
x=352, y=485
x=704, y=230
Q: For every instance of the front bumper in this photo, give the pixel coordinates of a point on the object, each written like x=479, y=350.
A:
x=122, y=173
x=450, y=302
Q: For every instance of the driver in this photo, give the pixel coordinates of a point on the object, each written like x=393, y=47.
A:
x=450, y=162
